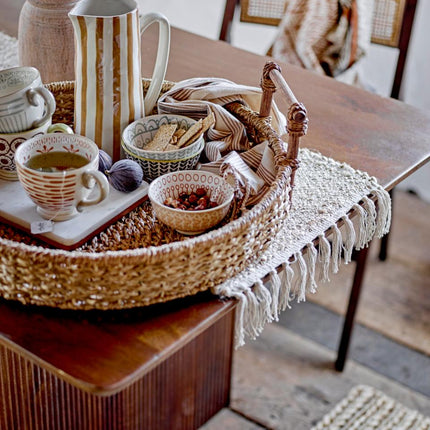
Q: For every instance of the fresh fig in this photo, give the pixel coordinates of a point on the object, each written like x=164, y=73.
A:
x=105, y=161
x=125, y=175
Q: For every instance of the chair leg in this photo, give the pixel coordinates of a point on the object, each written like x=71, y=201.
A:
x=383, y=250
x=352, y=307
x=230, y=6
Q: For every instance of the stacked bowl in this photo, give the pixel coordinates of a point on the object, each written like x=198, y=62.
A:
x=156, y=163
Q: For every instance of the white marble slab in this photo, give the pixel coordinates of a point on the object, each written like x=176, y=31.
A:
x=17, y=209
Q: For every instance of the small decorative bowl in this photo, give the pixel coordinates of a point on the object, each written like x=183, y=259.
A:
x=185, y=221
x=140, y=132
x=152, y=169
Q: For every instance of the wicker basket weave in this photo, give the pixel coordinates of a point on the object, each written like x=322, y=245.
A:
x=138, y=261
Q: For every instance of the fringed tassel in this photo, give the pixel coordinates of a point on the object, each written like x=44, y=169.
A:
x=336, y=253
x=383, y=220
x=324, y=254
x=275, y=284
x=239, y=325
x=349, y=240
x=286, y=278
x=252, y=322
x=370, y=207
x=302, y=278
x=264, y=302
x=362, y=224
x=312, y=255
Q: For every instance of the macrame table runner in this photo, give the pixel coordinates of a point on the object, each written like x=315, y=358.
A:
x=326, y=191
x=310, y=245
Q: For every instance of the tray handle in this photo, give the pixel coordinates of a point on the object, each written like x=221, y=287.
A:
x=297, y=119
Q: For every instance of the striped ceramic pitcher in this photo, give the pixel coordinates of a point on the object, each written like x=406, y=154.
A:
x=108, y=90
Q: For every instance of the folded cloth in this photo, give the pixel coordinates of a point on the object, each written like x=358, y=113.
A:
x=228, y=148
x=326, y=36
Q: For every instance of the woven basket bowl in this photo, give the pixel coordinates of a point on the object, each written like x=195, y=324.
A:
x=135, y=274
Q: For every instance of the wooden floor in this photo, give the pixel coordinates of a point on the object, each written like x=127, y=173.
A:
x=284, y=380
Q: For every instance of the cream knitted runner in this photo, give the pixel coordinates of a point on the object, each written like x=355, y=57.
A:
x=367, y=408
x=325, y=192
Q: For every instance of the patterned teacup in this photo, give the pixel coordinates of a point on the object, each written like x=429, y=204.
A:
x=24, y=102
x=58, y=171
x=9, y=143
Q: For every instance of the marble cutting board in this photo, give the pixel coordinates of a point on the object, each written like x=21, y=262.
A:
x=17, y=209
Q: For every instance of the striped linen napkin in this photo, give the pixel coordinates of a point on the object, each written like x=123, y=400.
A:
x=227, y=147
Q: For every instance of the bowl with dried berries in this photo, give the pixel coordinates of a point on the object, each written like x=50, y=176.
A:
x=190, y=201
x=165, y=143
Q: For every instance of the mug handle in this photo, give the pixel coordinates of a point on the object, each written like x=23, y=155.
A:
x=60, y=128
x=160, y=66
x=49, y=101
x=101, y=181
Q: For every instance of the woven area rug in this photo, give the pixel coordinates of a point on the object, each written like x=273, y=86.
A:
x=367, y=408
x=326, y=193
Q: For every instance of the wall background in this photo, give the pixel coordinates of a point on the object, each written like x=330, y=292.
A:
x=204, y=17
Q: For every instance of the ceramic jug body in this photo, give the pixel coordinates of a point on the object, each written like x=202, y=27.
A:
x=108, y=88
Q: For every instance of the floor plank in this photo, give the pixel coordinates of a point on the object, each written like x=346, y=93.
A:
x=229, y=420
x=368, y=347
x=285, y=382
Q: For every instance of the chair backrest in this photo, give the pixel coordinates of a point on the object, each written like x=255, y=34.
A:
x=391, y=24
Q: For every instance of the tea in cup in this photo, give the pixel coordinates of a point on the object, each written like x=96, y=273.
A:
x=9, y=143
x=24, y=102
x=59, y=172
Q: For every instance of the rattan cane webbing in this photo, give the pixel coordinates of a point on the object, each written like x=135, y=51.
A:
x=267, y=12
x=387, y=21
x=138, y=261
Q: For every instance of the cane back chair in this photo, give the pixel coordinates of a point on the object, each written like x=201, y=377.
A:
x=391, y=25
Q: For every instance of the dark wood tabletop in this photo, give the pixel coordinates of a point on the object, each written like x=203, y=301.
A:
x=104, y=351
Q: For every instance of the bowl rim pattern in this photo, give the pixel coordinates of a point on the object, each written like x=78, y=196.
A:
x=198, y=151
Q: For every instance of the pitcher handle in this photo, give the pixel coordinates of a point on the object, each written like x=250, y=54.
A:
x=162, y=56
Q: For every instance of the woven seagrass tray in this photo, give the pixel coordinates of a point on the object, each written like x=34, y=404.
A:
x=138, y=261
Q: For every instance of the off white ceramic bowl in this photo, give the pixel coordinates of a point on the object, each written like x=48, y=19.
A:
x=140, y=132
x=190, y=222
x=154, y=168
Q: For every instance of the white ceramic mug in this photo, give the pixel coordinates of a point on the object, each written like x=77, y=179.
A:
x=9, y=143
x=61, y=195
x=24, y=102
x=108, y=89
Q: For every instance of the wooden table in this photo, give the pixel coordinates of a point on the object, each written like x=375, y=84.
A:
x=168, y=366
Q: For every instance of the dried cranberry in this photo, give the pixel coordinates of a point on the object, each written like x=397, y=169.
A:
x=201, y=192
